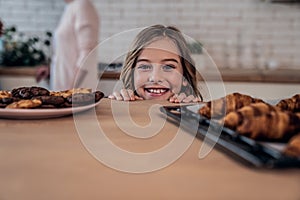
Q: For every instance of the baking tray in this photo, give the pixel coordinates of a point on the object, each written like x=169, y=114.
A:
x=252, y=153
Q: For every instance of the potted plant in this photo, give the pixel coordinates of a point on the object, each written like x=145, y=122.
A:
x=21, y=50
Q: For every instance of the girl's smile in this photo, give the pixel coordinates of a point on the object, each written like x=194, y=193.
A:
x=156, y=91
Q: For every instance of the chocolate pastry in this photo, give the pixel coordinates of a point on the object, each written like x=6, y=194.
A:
x=48, y=99
x=67, y=93
x=98, y=95
x=81, y=98
x=47, y=106
x=68, y=105
x=5, y=101
x=55, y=101
x=29, y=92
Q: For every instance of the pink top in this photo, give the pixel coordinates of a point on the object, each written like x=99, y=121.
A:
x=74, y=41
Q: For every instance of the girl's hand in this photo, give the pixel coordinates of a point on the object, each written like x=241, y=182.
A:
x=182, y=98
x=125, y=95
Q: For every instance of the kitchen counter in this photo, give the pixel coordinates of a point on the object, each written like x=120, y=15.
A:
x=46, y=159
x=232, y=75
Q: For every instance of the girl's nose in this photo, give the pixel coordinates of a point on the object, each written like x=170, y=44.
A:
x=156, y=75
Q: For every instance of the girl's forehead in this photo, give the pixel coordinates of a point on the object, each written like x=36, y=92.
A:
x=164, y=44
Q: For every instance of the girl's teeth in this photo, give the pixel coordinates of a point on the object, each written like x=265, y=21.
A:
x=157, y=91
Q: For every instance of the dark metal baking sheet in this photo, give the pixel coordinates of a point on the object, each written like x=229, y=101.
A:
x=248, y=151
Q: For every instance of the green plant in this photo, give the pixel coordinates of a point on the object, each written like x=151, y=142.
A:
x=19, y=50
x=195, y=47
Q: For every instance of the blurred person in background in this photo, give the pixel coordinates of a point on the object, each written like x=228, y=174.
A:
x=1, y=28
x=1, y=32
x=74, y=39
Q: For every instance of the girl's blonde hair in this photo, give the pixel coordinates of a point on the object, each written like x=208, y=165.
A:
x=154, y=33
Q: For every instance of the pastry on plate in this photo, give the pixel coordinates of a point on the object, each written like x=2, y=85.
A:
x=5, y=94
x=29, y=92
x=49, y=99
x=291, y=104
x=25, y=103
x=67, y=93
x=235, y=118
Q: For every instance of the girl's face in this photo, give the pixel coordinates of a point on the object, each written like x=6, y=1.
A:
x=158, y=71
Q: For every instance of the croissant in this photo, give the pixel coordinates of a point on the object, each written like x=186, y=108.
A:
x=275, y=125
x=222, y=106
x=293, y=147
x=235, y=118
x=291, y=104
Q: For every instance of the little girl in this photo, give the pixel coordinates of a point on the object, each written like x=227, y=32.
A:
x=159, y=66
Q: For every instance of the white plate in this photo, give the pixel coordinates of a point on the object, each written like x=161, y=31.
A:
x=42, y=113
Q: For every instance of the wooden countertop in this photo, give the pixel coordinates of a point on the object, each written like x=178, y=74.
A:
x=46, y=159
x=230, y=75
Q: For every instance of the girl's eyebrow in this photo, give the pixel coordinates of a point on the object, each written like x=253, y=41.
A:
x=142, y=60
x=170, y=59
x=164, y=60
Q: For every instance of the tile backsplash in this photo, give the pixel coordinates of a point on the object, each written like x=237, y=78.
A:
x=235, y=33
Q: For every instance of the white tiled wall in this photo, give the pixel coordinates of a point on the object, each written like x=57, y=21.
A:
x=236, y=33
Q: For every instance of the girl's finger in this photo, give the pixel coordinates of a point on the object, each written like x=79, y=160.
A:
x=138, y=98
x=173, y=98
x=125, y=95
x=111, y=96
x=180, y=97
x=118, y=96
x=131, y=95
x=195, y=100
x=188, y=99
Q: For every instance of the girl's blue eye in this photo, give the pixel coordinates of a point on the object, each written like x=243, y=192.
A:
x=144, y=67
x=168, y=67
